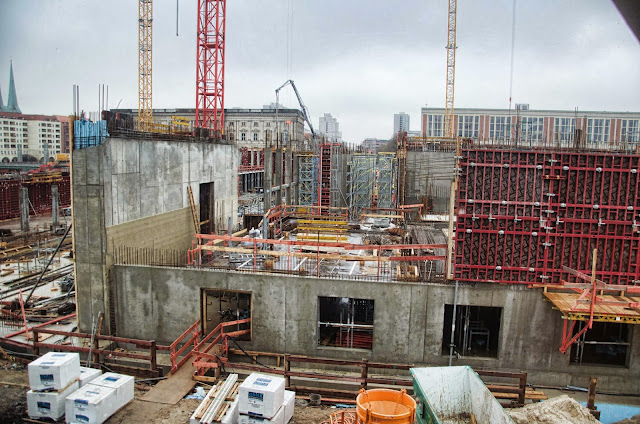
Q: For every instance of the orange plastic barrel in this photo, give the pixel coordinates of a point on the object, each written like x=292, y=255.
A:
x=385, y=406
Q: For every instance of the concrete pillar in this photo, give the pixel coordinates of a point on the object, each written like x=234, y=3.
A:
x=55, y=205
x=266, y=183
x=19, y=152
x=288, y=179
x=278, y=167
x=24, y=209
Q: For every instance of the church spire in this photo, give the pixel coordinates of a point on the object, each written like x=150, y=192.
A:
x=12, y=101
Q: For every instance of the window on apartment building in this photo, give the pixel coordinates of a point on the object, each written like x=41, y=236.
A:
x=345, y=322
x=531, y=130
x=606, y=343
x=500, y=128
x=267, y=135
x=222, y=306
x=244, y=124
x=477, y=330
x=564, y=130
x=468, y=126
x=243, y=136
x=598, y=130
x=268, y=124
x=630, y=130
x=435, y=125
x=255, y=124
x=255, y=136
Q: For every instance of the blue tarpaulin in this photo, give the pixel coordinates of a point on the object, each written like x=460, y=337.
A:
x=88, y=134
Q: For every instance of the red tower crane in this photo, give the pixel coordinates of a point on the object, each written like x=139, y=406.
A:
x=210, y=66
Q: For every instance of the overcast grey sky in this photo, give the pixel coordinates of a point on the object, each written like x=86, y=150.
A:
x=361, y=60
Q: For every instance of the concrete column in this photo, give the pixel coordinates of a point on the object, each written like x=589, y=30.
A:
x=55, y=205
x=278, y=167
x=288, y=179
x=266, y=183
x=24, y=209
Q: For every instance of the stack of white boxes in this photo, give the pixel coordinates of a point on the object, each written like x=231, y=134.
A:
x=262, y=399
x=88, y=374
x=99, y=399
x=52, y=378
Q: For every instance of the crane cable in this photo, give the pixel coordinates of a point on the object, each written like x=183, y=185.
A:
x=513, y=46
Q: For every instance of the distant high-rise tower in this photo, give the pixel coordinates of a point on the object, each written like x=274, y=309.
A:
x=1, y=102
x=330, y=128
x=12, y=101
x=400, y=122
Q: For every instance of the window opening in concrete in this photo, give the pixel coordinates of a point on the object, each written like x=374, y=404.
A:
x=477, y=330
x=220, y=306
x=207, y=210
x=345, y=322
x=606, y=343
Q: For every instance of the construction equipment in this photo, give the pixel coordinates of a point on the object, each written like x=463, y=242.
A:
x=145, y=20
x=305, y=111
x=449, y=130
x=210, y=67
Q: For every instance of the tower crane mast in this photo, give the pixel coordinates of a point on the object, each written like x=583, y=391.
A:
x=210, y=66
x=449, y=130
x=145, y=21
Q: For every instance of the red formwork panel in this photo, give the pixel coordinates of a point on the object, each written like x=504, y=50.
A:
x=39, y=196
x=523, y=215
x=9, y=199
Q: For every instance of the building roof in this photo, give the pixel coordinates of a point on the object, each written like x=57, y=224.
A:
x=528, y=112
x=12, y=101
x=24, y=117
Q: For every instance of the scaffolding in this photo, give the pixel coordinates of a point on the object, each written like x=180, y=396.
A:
x=386, y=169
x=308, y=179
x=361, y=179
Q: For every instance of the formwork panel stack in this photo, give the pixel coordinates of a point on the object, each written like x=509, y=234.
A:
x=523, y=215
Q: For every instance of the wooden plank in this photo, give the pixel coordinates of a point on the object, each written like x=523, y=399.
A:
x=174, y=388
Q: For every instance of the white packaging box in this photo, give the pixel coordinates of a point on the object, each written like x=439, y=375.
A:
x=54, y=371
x=48, y=404
x=289, y=405
x=261, y=395
x=91, y=404
x=123, y=385
x=88, y=374
x=278, y=418
x=232, y=415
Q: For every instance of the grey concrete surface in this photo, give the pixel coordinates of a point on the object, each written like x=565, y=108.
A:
x=124, y=182
x=161, y=303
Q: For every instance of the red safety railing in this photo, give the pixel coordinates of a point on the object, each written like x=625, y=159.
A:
x=176, y=361
x=205, y=360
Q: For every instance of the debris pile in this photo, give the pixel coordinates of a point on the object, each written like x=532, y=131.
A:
x=557, y=410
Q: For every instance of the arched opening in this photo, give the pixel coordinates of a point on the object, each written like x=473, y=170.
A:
x=6, y=160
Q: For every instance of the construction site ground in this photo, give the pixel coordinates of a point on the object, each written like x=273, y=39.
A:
x=14, y=385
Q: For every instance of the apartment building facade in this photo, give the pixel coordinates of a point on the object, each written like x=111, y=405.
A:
x=527, y=127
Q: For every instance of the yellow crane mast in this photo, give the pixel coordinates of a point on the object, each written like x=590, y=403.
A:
x=145, y=20
x=449, y=130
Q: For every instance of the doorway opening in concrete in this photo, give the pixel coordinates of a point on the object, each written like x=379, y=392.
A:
x=606, y=343
x=207, y=208
x=345, y=322
x=220, y=306
x=477, y=330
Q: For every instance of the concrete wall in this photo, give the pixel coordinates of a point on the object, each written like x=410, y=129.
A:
x=134, y=193
x=161, y=303
x=437, y=167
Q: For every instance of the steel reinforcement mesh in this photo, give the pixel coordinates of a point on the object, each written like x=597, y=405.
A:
x=523, y=215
